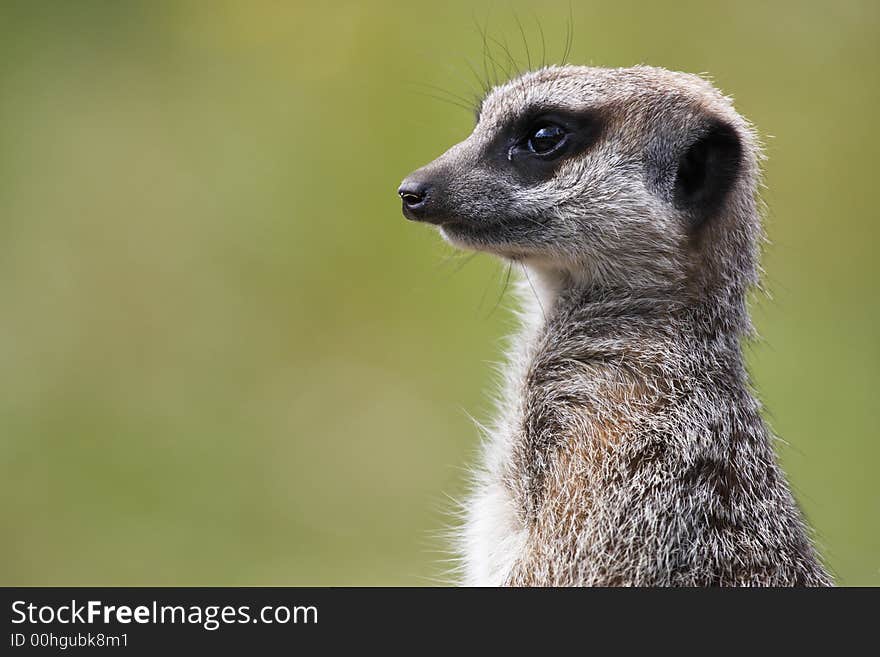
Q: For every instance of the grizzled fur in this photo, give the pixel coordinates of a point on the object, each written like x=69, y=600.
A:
x=629, y=449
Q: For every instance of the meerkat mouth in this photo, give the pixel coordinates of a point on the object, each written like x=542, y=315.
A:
x=465, y=229
x=489, y=237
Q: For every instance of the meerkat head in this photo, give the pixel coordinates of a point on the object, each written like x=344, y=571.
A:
x=626, y=177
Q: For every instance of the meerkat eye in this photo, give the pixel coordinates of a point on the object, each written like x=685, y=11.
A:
x=545, y=139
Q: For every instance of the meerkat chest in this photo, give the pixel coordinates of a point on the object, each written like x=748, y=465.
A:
x=495, y=538
x=540, y=463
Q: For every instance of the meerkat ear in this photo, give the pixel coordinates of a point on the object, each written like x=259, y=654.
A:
x=706, y=172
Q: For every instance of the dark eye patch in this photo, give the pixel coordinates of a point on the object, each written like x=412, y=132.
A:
x=534, y=145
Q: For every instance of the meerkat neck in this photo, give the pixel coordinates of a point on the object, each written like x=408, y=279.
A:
x=719, y=311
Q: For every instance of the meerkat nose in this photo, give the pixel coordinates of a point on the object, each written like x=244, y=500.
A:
x=422, y=196
x=413, y=193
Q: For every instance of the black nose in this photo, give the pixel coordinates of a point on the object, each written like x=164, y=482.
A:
x=413, y=193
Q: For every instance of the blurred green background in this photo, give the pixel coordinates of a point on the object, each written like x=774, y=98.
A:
x=227, y=359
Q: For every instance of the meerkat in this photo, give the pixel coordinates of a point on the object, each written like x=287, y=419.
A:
x=629, y=448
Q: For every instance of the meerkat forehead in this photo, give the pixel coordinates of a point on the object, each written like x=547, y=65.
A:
x=621, y=93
